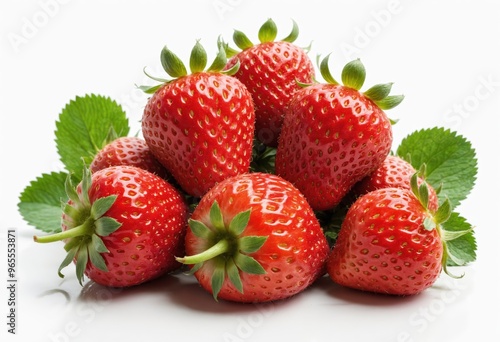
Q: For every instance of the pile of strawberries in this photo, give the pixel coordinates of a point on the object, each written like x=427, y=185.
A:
x=240, y=165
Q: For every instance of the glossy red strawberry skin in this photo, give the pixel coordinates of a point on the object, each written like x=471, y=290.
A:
x=295, y=251
x=201, y=128
x=393, y=172
x=383, y=246
x=332, y=137
x=131, y=151
x=153, y=217
x=270, y=71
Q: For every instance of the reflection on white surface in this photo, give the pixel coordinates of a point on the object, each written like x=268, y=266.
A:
x=62, y=310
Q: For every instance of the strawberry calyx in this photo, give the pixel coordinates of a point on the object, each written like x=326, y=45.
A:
x=229, y=250
x=86, y=224
x=198, y=59
x=436, y=219
x=353, y=76
x=267, y=34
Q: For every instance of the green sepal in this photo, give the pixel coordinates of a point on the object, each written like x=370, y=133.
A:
x=390, y=102
x=82, y=258
x=324, y=70
x=354, y=74
x=98, y=244
x=218, y=276
x=443, y=213
x=198, y=58
x=241, y=40
x=199, y=229
x=292, y=37
x=216, y=218
x=233, y=70
x=248, y=264
x=268, y=32
x=220, y=61
x=233, y=274
x=101, y=206
x=150, y=89
x=239, y=222
x=251, y=244
x=172, y=64
x=96, y=259
x=106, y=225
x=379, y=91
x=67, y=260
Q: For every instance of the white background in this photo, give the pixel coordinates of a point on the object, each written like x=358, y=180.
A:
x=442, y=55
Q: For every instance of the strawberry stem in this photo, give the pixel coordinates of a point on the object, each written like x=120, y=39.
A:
x=219, y=248
x=81, y=230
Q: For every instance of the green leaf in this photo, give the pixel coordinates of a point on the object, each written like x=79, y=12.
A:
x=239, y=222
x=450, y=160
x=82, y=129
x=40, y=203
x=463, y=247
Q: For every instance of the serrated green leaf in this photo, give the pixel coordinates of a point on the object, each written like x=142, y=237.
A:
x=82, y=128
x=40, y=203
x=450, y=160
x=463, y=247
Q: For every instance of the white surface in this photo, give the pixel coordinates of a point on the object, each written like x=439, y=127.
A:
x=443, y=55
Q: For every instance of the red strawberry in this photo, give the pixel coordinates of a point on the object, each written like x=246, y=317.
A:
x=394, y=172
x=254, y=238
x=200, y=126
x=131, y=151
x=391, y=243
x=334, y=135
x=122, y=226
x=270, y=70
